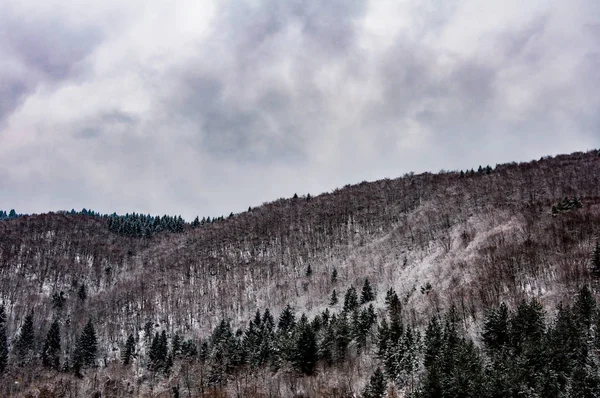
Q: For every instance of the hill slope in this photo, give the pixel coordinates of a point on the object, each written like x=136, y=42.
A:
x=470, y=240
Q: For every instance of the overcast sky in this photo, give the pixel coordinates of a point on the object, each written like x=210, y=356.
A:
x=210, y=107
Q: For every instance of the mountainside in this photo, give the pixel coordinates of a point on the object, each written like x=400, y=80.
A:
x=467, y=241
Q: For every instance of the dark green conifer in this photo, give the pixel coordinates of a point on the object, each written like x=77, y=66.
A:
x=51, y=351
x=366, y=294
x=86, y=348
x=333, y=300
x=350, y=300
x=495, y=329
x=176, y=346
x=3, y=341
x=377, y=386
x=129, y=352
x=309, y=270
x=306, y=352
x=25, y=342
x=596, y=260
x=82, y=292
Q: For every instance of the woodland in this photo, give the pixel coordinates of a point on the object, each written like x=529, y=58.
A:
x=473, y=283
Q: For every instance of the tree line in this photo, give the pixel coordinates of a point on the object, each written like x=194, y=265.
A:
x=522, y=352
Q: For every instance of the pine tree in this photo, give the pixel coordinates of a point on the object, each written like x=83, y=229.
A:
x=350, y=300
x=86, y=348
x=51, y=352
x=129, y=351
x=334, y=299
x=3, y=341
x=366, y=294
x=334, y=275
x=377, y=386
x=25, y=342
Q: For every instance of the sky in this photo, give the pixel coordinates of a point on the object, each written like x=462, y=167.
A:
x=208, y=107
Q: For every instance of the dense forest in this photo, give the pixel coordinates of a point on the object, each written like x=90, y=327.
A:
x=455, y=284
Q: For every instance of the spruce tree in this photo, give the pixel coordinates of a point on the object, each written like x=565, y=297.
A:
x=82, y=292
x=176, y=346
x=333, y=300
x=129, y=351
x=285, y=334
x=334, y=275
x=366, y=294
x=309, y=271
x=25, y=342
x=306, y=352
x=350, y=300
x=585, y=308
x=159, y=353
x=377, y=386
x=86, y=348
x=394, y=306
x=51, y=351
x=596, y=260
x=3, y=341
x=343, y=336
x=495, y=328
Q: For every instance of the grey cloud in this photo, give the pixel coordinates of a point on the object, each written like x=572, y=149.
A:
x=284, y=96
x=39, y=50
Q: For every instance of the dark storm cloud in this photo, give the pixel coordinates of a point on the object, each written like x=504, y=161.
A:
x=208, y=108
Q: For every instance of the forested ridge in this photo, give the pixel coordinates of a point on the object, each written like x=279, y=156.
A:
x=456, y=284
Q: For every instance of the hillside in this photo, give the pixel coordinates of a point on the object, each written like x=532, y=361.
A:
x=468, y=241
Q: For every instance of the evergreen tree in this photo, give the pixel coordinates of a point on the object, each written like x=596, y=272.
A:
x=377, y=386
x=306, y=352
x=334, y=275
x=176, y=346
x=82, y=292
x=3, y=341
x=334, y=299
x=495, y=328
x=129, y=352
x=189, y=349
x=585, y=308
x=25, y=343
x=366, y=294
x=585, y=381
x=327, y=345
x=58, y=300
x=308, y=270
x=285, y=334
x=86, y=348
x=159, y=352
x=394, y=306
x=596, y=260
x=51, y=351
x=343, y=337
x=350, y=300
